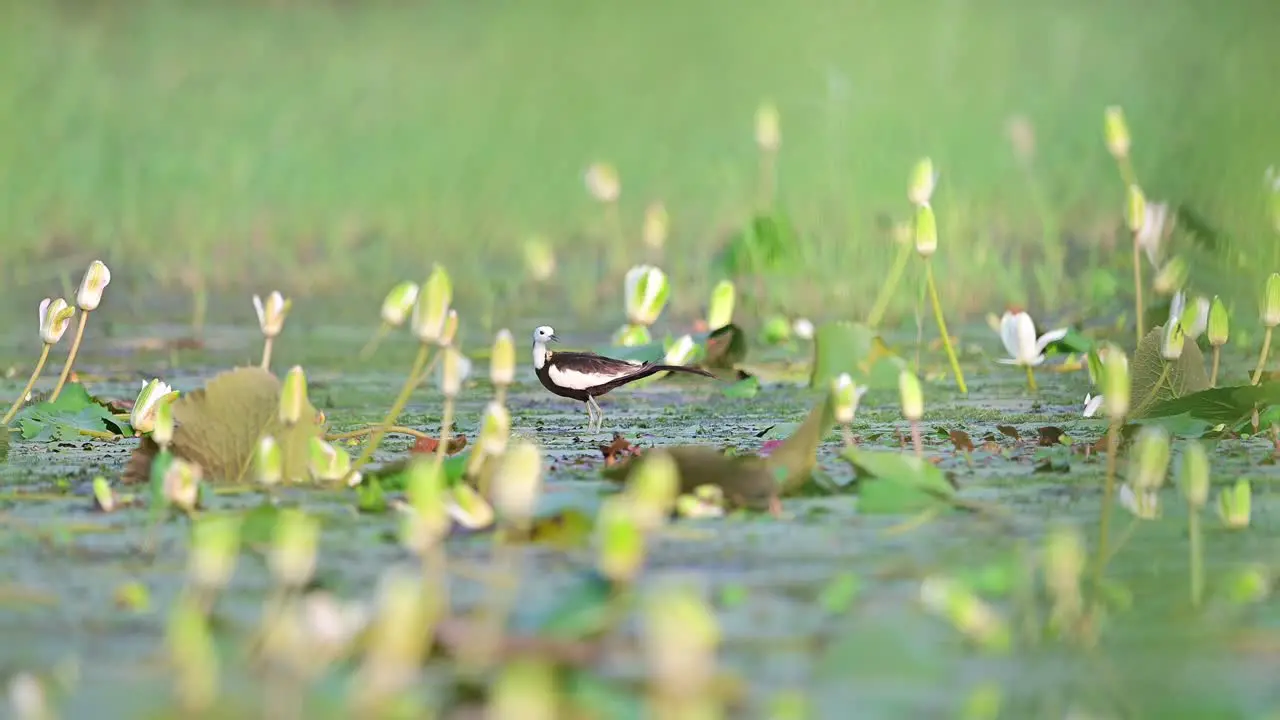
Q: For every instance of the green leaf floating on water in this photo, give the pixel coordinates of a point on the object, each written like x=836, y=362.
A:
x=747, y=387
x=890, y=482
x=63, y=419
x=1229, y=406
x=840, y=347
x=1156, y=380
x=393, y=476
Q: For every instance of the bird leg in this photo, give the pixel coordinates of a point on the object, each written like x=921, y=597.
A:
x=591, y=402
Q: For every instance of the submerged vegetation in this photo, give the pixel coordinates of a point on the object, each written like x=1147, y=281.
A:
x=848, y=513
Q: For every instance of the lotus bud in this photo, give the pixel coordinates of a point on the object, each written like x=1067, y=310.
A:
x=1115, y=384
x=646, y=294
x=720, y=309
x=846, y=394
x=603, y=183
x=92, y=285
x=431, y=312
x=272, y=313
x=143, y=415
x=680, y=351
x=1172, y=277
x=1172, y=340
x=1218, y=323
x=162, y=433
x=215, y=547
x=656, y=225
x=518, y=483
x=803, y=328
x=495, y=430
x=926, y=231
x=450, y=328
x=1135, y=209
x=468, y=507
x=326, y=461
x=768, y=128
x=912, y=397
x=680, y=640
x=1234, y=504
x=293, y=396
x=182, y=484
x=967, y=612
x=632, y=336
x=502, y=359
x=1195, y=474
x=923, y=178
x=652, y=489
x=1271, y=301
x=1149, y=459
x=1195, y=319
x=539, y=260
x=454, y=370
x=27, y=698
x=293, y=551
x=525, y=689
x=55, y=318
x=268, y=460
x=1116, y=132
x=399, y=303
x=621, y=542
x=103, y=498
x=429, y=519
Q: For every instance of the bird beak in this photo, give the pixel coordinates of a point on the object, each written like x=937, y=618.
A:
x=555, y=339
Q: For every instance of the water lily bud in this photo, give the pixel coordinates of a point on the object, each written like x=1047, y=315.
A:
x=502, y=359
x=400, y=631
x=652, y=488
x=326, y=461
x=468, y=507
x=603, y=183
x=182, y=484
x=162, y=432
x=1172, y=276
x=103, y=498
x=680, y=639
x=1218, y=323
x=539, y=260
x=143, y=415
x=632, y=336
x=431, y=312
x=846, y=394
x=1144, y=503
x=656, y=225
x=706, y=501
x=268, y=461
x=681, y=350
x=1271, y=301
x=518, y=483
x=646, y=291
x=293, y=550
x=1115, y=384
x=768, y=128
x=55, y=318
x=454, y=369
x=425, y=489
x=923, y=178
x=293, y=395
x=720, y=309
x=1195, y=474
x=1135, y=209
x=525, y=689
x=1172, y=341
x=450, y=328
x=272, y=313
x=1235, y=504
x=803, y=328
x=1116, y=132
x=912, y=397
x=926, y=231
x=27, y=698
x=621, y=542
x=92, y=285
x=967, y=612
x=1149, y=458
x=215, y=547
x=1195, y=319
x=776, y=330
x=495, y=430
x=399, y=303
x=1064, y=555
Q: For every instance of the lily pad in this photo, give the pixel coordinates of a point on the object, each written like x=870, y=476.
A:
x=1230, y=406
x=747, y=387
x=890, y=482
x=1156, y=380
x=74, y=411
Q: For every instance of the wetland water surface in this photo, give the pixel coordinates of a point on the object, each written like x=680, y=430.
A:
x=63, y=565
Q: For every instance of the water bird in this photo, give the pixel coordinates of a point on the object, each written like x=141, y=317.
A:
x=584, y=376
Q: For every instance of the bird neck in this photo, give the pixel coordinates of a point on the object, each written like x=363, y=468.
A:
x=539, y=355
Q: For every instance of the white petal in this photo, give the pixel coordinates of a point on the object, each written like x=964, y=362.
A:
x=1009, y=361
x=1050, y=337
x=1009, y=333
x=1026, y=330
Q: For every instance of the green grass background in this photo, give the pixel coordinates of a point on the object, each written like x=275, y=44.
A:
x=333, y=148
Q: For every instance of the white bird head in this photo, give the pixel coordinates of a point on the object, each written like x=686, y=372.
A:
x=544, y=334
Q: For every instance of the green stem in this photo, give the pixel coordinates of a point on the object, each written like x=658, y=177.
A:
x=35, y=375
x=1108, y=492
x=445, y=421
x=1197, y=558
x=1213, y=376
x=886, y=290
x=266, y=352
x=1164, y=375
x=423, y=350
x=1262, y=359
x=71, y=357
x=422, y=376
x=942, y=326
x=372, y=345
x=1126, y=171
x=394, y=429
x=1031, y=378
x=767, y=180
x=1137, y=289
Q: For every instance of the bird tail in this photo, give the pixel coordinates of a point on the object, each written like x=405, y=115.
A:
x=679, y=368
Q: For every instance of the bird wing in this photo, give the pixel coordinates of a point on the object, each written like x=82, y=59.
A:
x=582, y=370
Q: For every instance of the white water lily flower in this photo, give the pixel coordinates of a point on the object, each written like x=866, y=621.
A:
x=1151, y=234
x=143, y=415
x=1018, y=333
x=645, y=289
x=1145, y=504
x=1195, y=319
x=92, y=285
x=271, y=314
x=1172, y=341
x=1091, y=404
x=55, y=318
x=680, y=352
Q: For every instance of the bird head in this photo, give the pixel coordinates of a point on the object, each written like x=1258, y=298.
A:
x=544, y=334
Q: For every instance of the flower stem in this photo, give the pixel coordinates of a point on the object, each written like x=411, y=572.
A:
x=916, y=440
x=1213, y=376
x=393, y=429
x=766, y=180
x=886, y=290
x=423, y=350
x=942, y=326
x=372, y=345
x=1197, y=558
x=1137, y=289
x=422, y=376
x=1108, y=492
x=35, y=375
x=1031, y=378
x=1262, y=359
x=445, y=421
x=266, y=352
x=71, y=357
x=847, y=431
